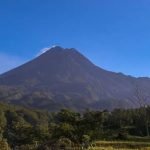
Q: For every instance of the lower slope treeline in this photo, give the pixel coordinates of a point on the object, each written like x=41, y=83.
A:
x=28, y=129
x=40, y=99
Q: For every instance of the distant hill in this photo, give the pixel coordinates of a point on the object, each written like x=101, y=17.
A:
x=64, y=78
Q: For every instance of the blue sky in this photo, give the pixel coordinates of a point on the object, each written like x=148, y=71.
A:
x=114, y=34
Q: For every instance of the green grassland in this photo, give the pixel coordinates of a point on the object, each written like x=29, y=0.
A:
x=120, y=145
x=116, y=145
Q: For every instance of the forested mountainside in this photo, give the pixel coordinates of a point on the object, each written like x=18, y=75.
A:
x=64, y=78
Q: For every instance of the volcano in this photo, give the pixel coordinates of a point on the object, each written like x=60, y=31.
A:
x=64, y=78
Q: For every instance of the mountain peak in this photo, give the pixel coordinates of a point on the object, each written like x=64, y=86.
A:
x=60, y=52
x=65, y=78
x=61, y=49
x=67, y=55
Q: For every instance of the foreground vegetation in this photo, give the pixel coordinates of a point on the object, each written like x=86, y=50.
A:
x=26, y=129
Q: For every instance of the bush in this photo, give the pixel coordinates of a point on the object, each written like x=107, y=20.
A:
x=4, y=145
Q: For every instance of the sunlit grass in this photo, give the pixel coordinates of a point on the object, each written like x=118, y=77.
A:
x=111, y=148
x=117, y=145
x=120, y=145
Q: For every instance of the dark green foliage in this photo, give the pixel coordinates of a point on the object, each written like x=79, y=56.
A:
x=31, y=129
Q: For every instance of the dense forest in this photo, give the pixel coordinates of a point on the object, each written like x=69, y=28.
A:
x=27, y=129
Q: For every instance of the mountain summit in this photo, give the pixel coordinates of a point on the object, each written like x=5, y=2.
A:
x=55, y=65
x=64, y=78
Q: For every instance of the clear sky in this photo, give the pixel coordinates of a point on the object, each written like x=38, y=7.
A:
x=114, y=34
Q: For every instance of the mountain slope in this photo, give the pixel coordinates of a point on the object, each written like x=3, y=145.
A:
x=65, y=78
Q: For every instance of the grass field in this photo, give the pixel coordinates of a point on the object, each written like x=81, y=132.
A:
x=117, y=145
x=120, y=145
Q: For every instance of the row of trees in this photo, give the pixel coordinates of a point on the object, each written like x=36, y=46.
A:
x=33, y=129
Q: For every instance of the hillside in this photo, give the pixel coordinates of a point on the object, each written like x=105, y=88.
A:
x=64, y=78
